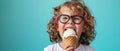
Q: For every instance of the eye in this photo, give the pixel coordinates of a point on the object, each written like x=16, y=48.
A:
x=77, y=18
x=64, y=17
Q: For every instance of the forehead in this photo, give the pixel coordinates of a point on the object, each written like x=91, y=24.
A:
x=70, y=10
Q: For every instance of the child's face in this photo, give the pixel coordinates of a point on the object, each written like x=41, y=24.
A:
x=77, y=27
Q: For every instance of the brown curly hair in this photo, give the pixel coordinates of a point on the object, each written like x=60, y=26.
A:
x=87, y=36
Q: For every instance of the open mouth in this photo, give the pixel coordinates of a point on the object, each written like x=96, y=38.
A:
x=69, y=28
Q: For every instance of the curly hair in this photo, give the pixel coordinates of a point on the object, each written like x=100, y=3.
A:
x=89, y=22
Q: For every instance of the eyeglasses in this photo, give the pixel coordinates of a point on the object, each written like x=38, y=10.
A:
x=75, y=19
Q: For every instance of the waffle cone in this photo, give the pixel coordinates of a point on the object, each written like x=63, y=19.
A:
x=70, y=41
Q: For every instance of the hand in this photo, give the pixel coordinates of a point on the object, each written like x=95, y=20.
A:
x=70, y=48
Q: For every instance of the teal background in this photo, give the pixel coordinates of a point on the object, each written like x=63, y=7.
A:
x=23, y=24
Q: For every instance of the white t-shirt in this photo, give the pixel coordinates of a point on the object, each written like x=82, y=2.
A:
x=56, y=47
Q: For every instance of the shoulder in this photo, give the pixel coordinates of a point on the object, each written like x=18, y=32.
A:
x=87, y=48
x=50, y=47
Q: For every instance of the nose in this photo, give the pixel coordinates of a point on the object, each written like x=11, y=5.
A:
x=70, y=22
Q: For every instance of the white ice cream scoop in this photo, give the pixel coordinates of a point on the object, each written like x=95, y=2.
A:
x=69, y=32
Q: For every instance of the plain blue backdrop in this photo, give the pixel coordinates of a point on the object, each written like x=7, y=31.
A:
x=23, y=24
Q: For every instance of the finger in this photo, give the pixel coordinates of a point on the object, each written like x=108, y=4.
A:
x=69, y=49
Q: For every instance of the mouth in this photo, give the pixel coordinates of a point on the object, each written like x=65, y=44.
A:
x=69, y=28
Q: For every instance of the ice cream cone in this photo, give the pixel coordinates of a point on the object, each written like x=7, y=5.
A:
x=70, y=41
x=70, y=38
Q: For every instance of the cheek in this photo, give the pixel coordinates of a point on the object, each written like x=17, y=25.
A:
x=60, y=29
x=79, y=29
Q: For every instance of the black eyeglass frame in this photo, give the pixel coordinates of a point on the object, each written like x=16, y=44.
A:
x=70, y=18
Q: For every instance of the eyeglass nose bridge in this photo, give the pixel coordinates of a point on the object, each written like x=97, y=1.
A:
x=71, y=18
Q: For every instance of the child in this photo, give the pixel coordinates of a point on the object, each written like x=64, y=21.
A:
x=71, y=15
